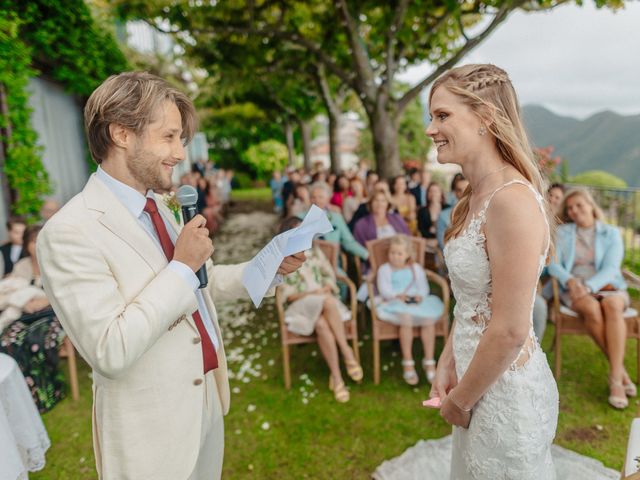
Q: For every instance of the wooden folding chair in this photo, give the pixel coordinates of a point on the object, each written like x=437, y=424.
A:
x=569, y=322
x=69, y=352
x=381, y=330
x=331, y=251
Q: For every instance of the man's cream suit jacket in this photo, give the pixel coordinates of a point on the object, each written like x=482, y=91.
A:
x=130, y=318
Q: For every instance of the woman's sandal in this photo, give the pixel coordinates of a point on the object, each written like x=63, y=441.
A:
x=354, y=370
x=409, y=376
x=340, y=392
x=431, y=374
x=617, y=402
x=630, y=389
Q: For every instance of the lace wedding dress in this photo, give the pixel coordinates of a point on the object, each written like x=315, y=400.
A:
x=514, y=423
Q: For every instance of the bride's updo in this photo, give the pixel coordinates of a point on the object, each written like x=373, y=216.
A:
x=487, y=90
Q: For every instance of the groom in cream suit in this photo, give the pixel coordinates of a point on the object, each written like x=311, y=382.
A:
x=119, y=272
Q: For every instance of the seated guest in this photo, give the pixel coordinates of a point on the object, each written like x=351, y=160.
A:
x=33, y=343
x=589, y=254
x=381, y=222
x=420, y=190
x=314, y=306
x=340, y=191
x=555, y=196
x=300, y=200
x=213, y=205
x=357, y=198
x=404, y=300
x=293, y=178
x=458, y=185
x=363, y=209
x=404, y=203
x=275, y=184
x=414, y=177
x=12, y=251
x=320, y=193
x=429, y=214
x=372, y=179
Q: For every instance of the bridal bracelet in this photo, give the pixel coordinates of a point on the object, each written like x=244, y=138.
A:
x=459, y=407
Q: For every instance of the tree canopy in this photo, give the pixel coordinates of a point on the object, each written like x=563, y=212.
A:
x=360, y=44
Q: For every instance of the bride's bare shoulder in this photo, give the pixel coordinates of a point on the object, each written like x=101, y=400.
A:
x=516, y=207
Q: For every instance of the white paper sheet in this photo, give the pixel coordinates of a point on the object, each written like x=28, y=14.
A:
x=259, y=274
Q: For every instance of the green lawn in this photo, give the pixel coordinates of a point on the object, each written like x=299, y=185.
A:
x=303, y=433
x=309, y=435
x=255, y=194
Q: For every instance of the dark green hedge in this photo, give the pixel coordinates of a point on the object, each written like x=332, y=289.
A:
x=60, y=39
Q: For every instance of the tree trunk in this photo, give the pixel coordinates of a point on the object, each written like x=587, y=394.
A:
x=334, y=142
x=384, y=132
x=288, y=132
x=305, y=131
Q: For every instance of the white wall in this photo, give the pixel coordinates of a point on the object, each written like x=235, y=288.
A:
x=57, y=119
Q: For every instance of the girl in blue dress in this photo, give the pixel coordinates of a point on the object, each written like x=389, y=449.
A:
x=405, y=301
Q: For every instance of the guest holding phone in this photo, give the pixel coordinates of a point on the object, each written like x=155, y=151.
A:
x=405, y=301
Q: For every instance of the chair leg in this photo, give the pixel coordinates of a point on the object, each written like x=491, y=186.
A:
x=376, y=362
x=362, y=317
x=73, y=369
x=638, y=360
x=286, y=367
x=356, y=348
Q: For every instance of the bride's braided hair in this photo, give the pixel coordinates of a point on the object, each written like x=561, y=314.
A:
x=488, y=91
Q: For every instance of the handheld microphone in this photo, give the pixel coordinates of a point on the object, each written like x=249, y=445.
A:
x=188, y=197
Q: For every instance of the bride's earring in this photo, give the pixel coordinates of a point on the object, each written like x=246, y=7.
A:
x=482, y=130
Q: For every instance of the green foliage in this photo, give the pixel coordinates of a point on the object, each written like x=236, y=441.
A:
x=24, y=170
x=413, y=142
x=243, y=179
x=60, y=39
x=232, y=129
x=267, y=156
x=598, y=178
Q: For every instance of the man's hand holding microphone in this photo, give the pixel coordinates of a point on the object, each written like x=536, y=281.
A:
x=193, y=246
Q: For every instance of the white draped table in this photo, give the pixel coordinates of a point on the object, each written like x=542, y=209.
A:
x=23, y=438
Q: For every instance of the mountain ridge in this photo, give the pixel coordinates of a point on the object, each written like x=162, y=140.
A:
x=605, y=140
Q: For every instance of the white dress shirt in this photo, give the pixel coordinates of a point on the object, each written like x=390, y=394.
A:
x=16, y=250
x=135, y=202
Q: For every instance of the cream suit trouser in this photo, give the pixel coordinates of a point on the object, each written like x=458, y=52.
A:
x=209, y=463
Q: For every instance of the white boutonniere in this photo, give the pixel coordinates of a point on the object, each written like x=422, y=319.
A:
x=172, y=204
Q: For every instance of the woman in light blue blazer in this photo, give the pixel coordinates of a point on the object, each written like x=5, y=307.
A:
x=589, y=254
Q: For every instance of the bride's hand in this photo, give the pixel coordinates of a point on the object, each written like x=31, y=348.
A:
x=445, y=378
x=453, y=414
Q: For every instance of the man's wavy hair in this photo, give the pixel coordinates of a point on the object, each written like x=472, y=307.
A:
x=132, y=99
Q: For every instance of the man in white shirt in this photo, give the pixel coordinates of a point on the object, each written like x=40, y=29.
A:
x=12, y=251
x=120, y=274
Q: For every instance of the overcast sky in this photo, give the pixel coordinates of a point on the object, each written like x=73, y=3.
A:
x=574, y=60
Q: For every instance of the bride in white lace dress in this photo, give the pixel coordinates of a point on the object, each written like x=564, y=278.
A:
x=494, y=381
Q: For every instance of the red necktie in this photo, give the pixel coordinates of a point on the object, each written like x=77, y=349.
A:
x=210, y=359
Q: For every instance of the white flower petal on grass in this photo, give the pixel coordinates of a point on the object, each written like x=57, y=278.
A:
x=251, y=408
x=235, y=390
x=238, y=431
x=271, y=362
x=265, y=426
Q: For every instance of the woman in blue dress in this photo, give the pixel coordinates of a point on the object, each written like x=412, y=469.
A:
x=405, y=301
